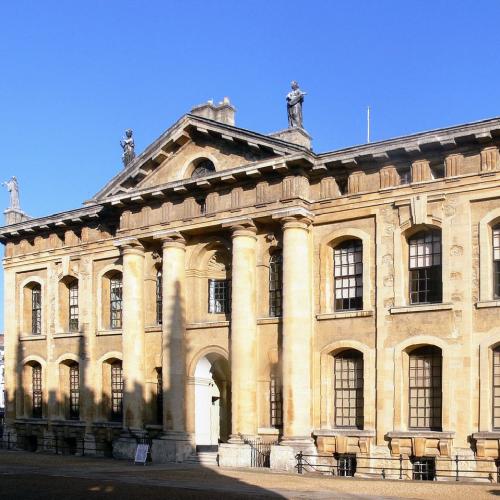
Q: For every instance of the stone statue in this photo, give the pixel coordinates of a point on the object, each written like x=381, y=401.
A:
x=128, y=145
x=294, y=100
x=13, y=189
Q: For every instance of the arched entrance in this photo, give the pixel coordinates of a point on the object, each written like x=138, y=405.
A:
x=212, y=402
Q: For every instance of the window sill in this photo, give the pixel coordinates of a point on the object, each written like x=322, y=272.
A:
x=487, y=303
x=154, y=427
x=344, y=432
x=421, y=308
x=112, y=425
x=30, y=420
x=153, y=328
x=207, y=324
x=422, y=433
x=104, y=333
x=26, y=337
x=486, y=435
x=64, y=335
x=69, y=423
x=268, y=431
x=344, y=314
x=269, y=321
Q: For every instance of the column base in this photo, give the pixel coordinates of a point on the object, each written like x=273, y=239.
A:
x=89, y=445
x=49, y=442
x=235, y=453
x=283, y=455
x=172, y=447
x=9, y=438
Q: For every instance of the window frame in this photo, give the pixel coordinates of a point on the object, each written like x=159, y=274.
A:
x=495, y=238
x=159, y=396
x=276, y=401
x=74, y=391
x=342, y=253
x=276, y=284
x=116, y=375
x=36, y=391
x=36, y=309
x=116, y=301
x=159, y=297
x=73, y=306
x=219, y=305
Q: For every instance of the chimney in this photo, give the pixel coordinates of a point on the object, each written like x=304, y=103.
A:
x=223, y=112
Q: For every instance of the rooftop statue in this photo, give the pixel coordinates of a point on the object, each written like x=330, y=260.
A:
x=128, y=146
x=294, y=100
x=13, y=188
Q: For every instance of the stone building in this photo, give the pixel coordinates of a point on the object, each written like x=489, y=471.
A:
x=2, y=378
x=228, y=286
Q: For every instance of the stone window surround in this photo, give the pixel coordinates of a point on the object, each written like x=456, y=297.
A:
x=486, y=225
x=401, y=265
x=401, y=381
x=102, y=385
x=23, y=397
x=62, y=326
x=102, y=299
x=327, y=281
x=25, y=306
x=327, y=389
x=486, y=388
x=63, y=364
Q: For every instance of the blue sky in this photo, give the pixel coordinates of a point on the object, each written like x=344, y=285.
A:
x=74, y=75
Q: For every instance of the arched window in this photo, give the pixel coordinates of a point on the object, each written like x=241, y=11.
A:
x=36, y=390
x=276, y=398
x=496, y=261
x=275, y=283
x=159, y=297
x=219, y=282
x=348, y=388
x=74, y=391
x=36, y=309
x=116, y=392
x=115, y=301
x=159, y=396
x=425, y=267
x=204, y=167
x=425, y=388
x=73, y=313
x=348, y=274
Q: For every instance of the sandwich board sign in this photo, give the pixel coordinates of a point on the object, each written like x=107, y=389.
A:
x=141, y=453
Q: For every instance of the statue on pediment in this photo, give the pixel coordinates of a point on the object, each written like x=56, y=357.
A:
x=294, y=100
x=13, y=188
x=128, y=146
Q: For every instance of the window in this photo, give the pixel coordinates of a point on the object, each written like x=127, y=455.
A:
x=425, y=268
x=496, y=261
x=276, y=401
x=36, y=309
x=275, y=283
x=36, y=387
x=73, y=306
x=496, y=388
x=348, y=388
x=116, y=392
x=116, y=301
x=348, y=274
x=204, y=167
x=346, y=464
x=425, y=388
x=159, y=298
x=219, y=296
x=74, y=392
x=159, y=396
x=424, y=469
x=404, y=176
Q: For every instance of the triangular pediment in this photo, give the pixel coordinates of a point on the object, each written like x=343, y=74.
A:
x=174, y=155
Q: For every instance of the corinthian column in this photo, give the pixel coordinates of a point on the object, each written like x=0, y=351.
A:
x=297, y=329
x=133, y=334
x=243, y=351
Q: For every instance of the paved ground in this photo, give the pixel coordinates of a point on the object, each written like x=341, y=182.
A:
x=45, y=477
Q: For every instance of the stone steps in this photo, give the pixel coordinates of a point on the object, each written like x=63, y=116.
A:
x=208, y=458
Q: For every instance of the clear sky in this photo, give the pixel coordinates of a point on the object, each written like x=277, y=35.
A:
x=74, y=75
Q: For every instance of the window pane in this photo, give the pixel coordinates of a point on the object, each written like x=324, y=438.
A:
x=36, y=309
x=496, y=263
x=348, y=275
x=219, y=296
x=74, y=392
x=73, y=306
x=159, y=298
x=275, y=283
x=36, y=385
x=116, y=302
x=116, y=392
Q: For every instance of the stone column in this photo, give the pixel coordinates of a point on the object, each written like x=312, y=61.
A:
x=176, y=445
x=133, y=334
x=243, y=346
x=297, y=342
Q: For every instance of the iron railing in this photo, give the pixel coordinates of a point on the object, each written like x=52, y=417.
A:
x=260, y=452
x=399, y=467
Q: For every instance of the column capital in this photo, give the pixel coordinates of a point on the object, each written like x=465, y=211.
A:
x=171, y=239
x=130, y=246
x=298, y=217
x=244, y=227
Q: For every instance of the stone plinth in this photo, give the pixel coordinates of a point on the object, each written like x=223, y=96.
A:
x=171, y=448
x=296, y=135
x=235, y=455
x=283, y=455
x=14, y=216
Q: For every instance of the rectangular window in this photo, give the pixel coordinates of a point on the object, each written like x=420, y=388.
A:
x=496, y=262
x=348, y=390
x=346, y=464
x=73, y=307
x=424, y=469
x=116, y=303
x=159, y=396
x=219, y=296
x=36, y=310
x=37, y=397
x=275, y=284
x=425, y=391
x=159, y=298
x=116, y=392
x=276, y=402
x=348, y=271
x=425, y=268
x=496, y=388
x=74, y=392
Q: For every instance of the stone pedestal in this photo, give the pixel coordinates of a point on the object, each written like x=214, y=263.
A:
x=283, y=455
x=14, y=216
x=296, y=135
x=237, y=454
x=171, y=447
x=89, y=445
x=124, y=447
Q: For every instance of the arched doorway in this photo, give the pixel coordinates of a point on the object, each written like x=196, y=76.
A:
x=212, y=402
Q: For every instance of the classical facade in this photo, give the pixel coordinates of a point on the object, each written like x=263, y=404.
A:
x=228, y=286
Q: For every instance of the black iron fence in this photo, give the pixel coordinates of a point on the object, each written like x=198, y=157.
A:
x=416, y=468
x=260, y=452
